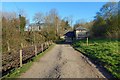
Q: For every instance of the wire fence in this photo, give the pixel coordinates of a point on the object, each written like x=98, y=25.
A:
x=15, y=58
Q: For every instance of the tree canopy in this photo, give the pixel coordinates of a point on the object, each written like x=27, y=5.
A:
x=106, y=21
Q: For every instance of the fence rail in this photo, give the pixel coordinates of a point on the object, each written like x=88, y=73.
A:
x=12, y=59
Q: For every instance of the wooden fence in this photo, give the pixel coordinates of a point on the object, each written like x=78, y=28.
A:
x=14, y=59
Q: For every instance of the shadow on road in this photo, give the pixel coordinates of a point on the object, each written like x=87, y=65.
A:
x=63, y=42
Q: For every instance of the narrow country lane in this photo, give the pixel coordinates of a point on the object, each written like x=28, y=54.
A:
x=63, y=62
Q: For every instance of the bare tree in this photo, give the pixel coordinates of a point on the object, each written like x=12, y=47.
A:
x=22, y=12
x=70, y=19
x=53, y=14
x=9, y=15
x=55, y=20
x=52, y=22
x=38, y=18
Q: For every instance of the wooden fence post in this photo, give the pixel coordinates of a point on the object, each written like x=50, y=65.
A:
x=48, y=43
x=8, y=46
x=51, y=41
x=87, y=41
x=117, y=47
x=35, y=50
x=45, y=45
x=42, y=47
x=21, y=45
x=20, y=57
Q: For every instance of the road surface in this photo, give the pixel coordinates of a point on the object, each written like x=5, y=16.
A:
x=62, y=61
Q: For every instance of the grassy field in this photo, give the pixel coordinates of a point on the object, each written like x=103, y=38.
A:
x=18, y=71
x=104, y=52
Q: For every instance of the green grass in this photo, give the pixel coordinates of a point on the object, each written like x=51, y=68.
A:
x=18, y=71
x=103, y=51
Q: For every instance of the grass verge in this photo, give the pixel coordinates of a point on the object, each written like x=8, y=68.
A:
x=18, y=71
x=104, y=52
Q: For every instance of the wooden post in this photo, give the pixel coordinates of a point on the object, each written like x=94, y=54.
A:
x=20, y=57
x=45, y=45
x=48, y=43
x=32, y=43
x=35, y=50
x=52, y=42
x=87, y=41
x=42, y=47
x=117, y=47
x=21, y=45
x=8, y=46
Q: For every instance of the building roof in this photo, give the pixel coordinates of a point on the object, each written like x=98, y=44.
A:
x=81, y=28
x=70, y=34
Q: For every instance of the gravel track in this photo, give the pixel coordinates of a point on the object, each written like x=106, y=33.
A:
x=63, y=62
